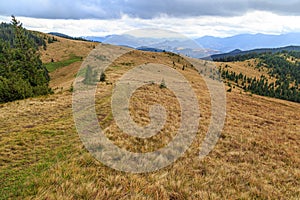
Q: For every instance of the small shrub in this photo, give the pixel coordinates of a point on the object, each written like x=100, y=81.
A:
x=102, y=77
x=71, y=88
x=162, y=84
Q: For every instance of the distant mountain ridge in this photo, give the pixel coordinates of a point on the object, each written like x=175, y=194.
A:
x=209, y=44
x=249, y=41
x=200, y=47
x=238, y=52
x=67, y=36
x=150, y=49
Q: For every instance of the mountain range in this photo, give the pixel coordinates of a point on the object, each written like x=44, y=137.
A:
x=253, y=52
x=249, y=41
x=204, y=46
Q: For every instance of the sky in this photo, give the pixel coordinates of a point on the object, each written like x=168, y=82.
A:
x=192, y=18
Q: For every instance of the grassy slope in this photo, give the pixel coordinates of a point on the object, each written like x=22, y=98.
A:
x=41, y=156
x=246, y=67
x=67, y=56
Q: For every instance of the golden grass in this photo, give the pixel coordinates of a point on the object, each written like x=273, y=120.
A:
x=257, y=156
x=62, y=50
x=144, y=98
x=247, y=68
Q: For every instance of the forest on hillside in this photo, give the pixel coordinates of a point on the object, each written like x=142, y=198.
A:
x=7, y=34
x=283, y=66
x=22, y=73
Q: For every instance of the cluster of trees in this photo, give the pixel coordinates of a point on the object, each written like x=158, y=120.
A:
x=284, y=66
x=295, y=54
x=235, y=58
x=280, y=67
x=279, y=89
x=22, y=73
x=256, y=53
x=52, y=40
x=67, y=36
x=282, y=89
x=7, y=34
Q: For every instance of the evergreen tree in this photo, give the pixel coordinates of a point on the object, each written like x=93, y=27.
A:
x=22, y=74
x=102, y=77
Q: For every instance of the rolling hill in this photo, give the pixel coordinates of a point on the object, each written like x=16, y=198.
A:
x=42, y=156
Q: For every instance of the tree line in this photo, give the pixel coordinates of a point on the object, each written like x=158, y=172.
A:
x=283, y=66
x=281, y=89
x=22, y=73
x=7, y=34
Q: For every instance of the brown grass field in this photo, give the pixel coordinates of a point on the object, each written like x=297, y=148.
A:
x=42, y=156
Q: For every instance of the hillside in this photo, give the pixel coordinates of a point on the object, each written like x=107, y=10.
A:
x=42, y=156
x=6, y=34
x=277, y=72
x=22, y=73
x=66, y=36
x=250, y=53
x=63, y=59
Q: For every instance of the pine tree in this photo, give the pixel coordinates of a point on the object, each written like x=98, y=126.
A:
x=22, y=73
x=102, y=77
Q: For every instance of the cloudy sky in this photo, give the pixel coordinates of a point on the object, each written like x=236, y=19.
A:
x=193, y=18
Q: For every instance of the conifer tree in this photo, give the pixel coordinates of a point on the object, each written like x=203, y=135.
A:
x=22, y=74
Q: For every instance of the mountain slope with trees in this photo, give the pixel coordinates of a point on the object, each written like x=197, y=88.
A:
x=238, y=55
x=22, y=73
x=42, y=156
x=7, y=33
x=256, y=157
x=281, y=66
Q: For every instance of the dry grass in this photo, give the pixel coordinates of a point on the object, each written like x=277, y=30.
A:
x=144, y=98
x=257, y=156
x=64, y=49
x=247, y=68
x=61, y=50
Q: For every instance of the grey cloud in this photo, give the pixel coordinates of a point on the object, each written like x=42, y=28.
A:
x=146, y=9
x=59, y=9
x=186, y=8
x=285, y=7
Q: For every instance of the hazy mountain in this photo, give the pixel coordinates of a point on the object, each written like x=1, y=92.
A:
x=176, y=45
x=206, y=45
x=238, y=52
x=249, y=41
x=95, y=38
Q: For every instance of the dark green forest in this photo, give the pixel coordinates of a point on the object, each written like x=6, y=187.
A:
x=67, y=36
x=22, y=73
x=283, y=66
x=7, y=34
